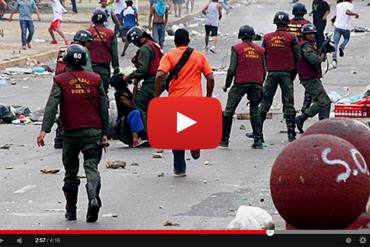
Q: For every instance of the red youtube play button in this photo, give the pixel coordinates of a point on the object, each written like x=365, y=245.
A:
x=184, y=123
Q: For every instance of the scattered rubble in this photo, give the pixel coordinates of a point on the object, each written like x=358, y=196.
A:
x=115, y=164
x=52, y=171
x=157, y=156
x=169, y=223
x=110, y=215
x=6, y=146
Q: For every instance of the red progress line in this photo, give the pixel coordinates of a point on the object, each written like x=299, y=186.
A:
x=132, y=232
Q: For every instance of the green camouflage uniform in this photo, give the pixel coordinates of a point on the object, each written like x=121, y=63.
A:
x=236, y=93
x=86, y=141
x=313, y=87
x=147, y=90
x=284, y=80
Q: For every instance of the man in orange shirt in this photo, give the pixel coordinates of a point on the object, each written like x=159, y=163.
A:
x=186, y=83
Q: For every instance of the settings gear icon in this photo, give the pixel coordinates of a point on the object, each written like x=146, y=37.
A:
x=362, y=240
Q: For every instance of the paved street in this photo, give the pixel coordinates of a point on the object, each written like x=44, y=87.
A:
x=142, y=196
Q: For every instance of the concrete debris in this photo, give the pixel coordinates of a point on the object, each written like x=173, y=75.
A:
x=207, y=163
x=205, y=181
x=52, y=171
x=6, y=146
x=110, y=215
x=134, y=164
x=247, y=116
x=9, y=168
x=169, y=223
x=157, y=156
x=115, y=164
x=18, y=70
x=161, y=207
x=161, y=175
x=242, y=127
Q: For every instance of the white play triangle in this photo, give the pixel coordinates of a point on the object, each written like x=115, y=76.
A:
x=183, y=122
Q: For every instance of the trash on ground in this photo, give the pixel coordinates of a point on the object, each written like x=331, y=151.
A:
x=6, y=146
x=18, y=70
x=169, y=223
x=52, y=171
x=157, y=156
x=251, y=218
x=115, y=164
x=110, y=215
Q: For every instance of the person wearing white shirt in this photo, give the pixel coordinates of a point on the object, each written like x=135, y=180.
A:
x=342, y=26
x=55, y=26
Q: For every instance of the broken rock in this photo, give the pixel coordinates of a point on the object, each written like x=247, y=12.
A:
x=52, y=171
x=170, y=223
x=115, y=164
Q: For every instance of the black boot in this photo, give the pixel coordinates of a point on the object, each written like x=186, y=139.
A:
x=93, y=190
x=263, y=118
x=300, y=121
x=71, y=194
x=227, y=122
x=290, y=122
x=257, y=130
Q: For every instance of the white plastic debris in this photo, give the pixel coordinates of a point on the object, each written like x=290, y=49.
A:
x=251, y=218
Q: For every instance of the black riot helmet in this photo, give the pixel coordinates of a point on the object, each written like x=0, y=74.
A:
x=299, y=9
x=246, y=32
x=99, y=17
x=75, y=56
x=83, y=36
x=281, y=18
x=308, y=28
x=135, y=34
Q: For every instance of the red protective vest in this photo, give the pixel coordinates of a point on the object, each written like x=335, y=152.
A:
x=295, y=26
x=154, y=63
x=101, y=47
x=250, y=63
x=279, y=51
x=61, y=66
x=80, y=103
x=306, y=70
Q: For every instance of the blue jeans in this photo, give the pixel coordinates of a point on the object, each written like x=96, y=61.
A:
x=27, y=25
x=338, y=33
x=159, y=31
x=179, y=163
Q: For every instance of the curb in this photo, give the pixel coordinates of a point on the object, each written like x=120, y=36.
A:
x=44, y=56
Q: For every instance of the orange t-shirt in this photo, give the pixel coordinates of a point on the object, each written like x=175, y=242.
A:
x=189, y=81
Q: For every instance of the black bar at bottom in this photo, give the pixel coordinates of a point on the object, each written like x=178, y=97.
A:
x=283, y=240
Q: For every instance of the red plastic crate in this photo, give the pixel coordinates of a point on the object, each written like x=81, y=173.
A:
x=352, y=111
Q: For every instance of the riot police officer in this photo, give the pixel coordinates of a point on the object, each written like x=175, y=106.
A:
x=103, y=48
x=146, y=61
x=247, y=69
x=282, y=55
x=83, y=38
x=79, y=91
x=296, y=23
x=309, y=72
